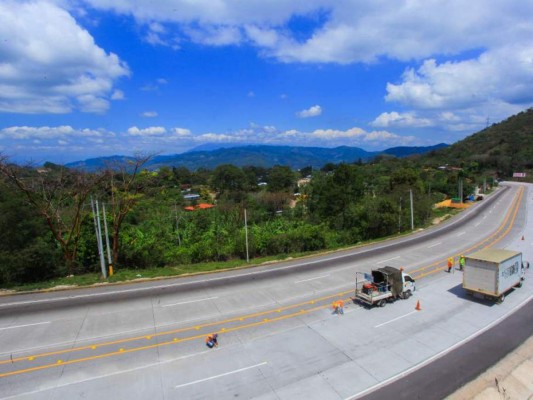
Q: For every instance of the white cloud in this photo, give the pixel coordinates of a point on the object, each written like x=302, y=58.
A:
x=149, y=114
x=50, y=64
x=313, y=111
x=335, y=134
x=356, y=136
x=151, y=131
x=394, y=118
x=151, y=87
x=47, y=132
x=214, y=35
x=117, y=95
x=181, y=132
x=503, y=74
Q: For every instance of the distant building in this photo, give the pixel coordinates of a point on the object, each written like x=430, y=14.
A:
x=304, y=181
x=191, y=197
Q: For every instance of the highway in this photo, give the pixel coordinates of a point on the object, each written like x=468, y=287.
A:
x=278, y=337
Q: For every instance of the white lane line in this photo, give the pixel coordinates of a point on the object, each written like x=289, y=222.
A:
x=23, y=326
x=388, y=259
x=395, y=319
x=461, y=233
x=312, y=279
x=477, y=224
x=434, y=244
x=221, y=375
x=189, y=302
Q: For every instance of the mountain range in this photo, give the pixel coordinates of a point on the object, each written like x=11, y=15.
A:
x=265, y=156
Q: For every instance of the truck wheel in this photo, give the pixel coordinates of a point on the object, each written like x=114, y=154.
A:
x=407, y=294
x=519, y=284
x=501, y=298
x=382, y=303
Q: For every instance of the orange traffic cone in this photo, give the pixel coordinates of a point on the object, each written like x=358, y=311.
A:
x=417, y=308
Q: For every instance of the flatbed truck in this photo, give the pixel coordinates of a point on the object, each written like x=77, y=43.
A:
x=384, y=285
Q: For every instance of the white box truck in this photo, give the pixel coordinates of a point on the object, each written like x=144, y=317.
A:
x=493, y=273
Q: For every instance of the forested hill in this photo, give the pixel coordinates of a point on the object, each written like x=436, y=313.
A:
x=504, y=148
x=262, y=156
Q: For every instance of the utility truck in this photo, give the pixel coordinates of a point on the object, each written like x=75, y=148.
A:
x=383, y=285
x=492, y=273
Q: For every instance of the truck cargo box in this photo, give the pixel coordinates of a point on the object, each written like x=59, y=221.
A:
x=493, y=272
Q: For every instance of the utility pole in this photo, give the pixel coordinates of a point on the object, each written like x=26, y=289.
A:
x=400, y=217
x=177, y=222
x=461, y=191
x=412, y=219
x=109, y=261
x=246, y=235
x=102, y=256
x=98, y=232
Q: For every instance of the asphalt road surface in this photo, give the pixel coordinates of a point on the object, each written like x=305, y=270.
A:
x=278, y=338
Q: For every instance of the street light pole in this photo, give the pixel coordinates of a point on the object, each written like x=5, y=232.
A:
x=246, y=235
x=412, y=218
x=96, y=219
x=102, y=260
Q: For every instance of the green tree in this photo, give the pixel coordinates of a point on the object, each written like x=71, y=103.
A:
x=58, y=196
x=228, y=178
x=281, y=179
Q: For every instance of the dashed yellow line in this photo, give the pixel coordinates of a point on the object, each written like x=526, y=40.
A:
x=170, y=332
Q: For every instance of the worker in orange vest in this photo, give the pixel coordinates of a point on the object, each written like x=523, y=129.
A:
x=211, y=340
x=450, y=264
x=338, y=307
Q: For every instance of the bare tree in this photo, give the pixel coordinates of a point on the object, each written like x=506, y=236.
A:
x=59, y=196
x=125, y=191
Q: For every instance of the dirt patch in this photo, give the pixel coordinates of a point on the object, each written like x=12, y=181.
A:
x=438, y=220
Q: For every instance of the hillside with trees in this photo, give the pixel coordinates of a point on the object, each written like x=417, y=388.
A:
x=499, y=150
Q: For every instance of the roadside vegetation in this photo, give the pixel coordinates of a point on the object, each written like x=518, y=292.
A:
x=47, y=225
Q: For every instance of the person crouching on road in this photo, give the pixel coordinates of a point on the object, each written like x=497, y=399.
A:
x=338, y=307
x=211, y=340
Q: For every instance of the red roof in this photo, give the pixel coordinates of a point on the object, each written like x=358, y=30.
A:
x=201, y=206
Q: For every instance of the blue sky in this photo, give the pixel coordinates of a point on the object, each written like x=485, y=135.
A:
x=89, y=78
